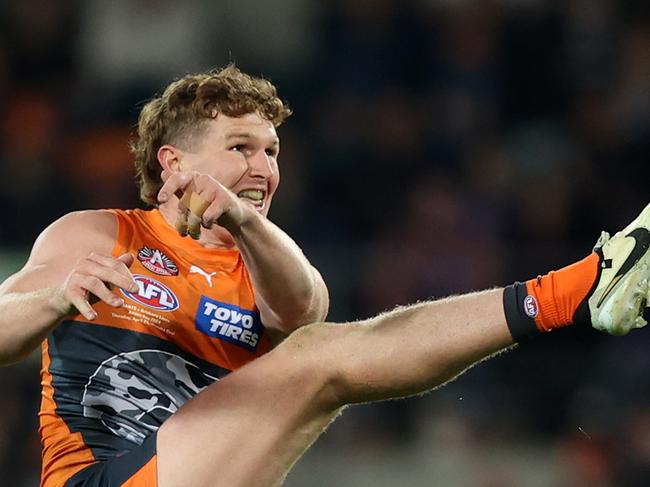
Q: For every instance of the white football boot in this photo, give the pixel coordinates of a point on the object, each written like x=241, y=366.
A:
x=621, y=294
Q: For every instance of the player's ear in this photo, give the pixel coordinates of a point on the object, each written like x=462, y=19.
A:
x=169, y=158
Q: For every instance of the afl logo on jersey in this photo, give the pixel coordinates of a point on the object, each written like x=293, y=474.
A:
x=153, y=294
x=157, y=262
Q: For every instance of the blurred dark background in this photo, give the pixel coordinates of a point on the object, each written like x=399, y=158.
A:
x=437, y=147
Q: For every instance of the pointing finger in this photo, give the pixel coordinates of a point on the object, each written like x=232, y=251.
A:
x=176, y=181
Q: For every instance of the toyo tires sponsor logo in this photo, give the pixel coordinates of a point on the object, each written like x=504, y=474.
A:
x=153, y=294
x=229, y=323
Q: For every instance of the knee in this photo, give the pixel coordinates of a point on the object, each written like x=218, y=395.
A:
x=309, y=337
x=309, y=350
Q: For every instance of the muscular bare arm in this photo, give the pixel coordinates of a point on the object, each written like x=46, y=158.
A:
x=69, y=267
x=290, y=292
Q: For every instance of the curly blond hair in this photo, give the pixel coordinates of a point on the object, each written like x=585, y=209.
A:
x=182, y=112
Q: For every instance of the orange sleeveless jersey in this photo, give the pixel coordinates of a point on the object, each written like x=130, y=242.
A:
x=107, y=384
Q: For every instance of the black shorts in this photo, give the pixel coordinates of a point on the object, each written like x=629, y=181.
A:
x=134, y=465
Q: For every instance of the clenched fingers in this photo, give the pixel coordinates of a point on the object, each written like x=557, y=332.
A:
x=190, y=209
x=181, y=220
x=185, y=186
x=196, y=201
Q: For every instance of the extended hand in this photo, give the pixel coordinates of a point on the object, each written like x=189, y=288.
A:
x=91, y=279
x=204, y=201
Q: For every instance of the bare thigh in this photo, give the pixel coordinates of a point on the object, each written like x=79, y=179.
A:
x=249, y=429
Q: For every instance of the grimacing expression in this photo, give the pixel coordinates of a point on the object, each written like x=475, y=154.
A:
x=241, y=153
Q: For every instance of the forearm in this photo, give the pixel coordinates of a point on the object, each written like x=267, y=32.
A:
x=283, y=277
x=25, y=320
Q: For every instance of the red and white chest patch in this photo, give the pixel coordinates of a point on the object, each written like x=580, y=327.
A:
x=157, y=262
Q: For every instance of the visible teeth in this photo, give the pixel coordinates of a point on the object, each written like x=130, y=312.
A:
x=251, y=194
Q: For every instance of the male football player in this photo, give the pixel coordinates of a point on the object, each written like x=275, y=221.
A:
x=157, y=361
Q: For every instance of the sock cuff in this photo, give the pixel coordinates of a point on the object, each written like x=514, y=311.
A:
x=520, y=309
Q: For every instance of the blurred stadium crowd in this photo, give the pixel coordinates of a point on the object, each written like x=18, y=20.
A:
x=437, y=146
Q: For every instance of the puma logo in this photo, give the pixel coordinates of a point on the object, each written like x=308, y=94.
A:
x=197, y=270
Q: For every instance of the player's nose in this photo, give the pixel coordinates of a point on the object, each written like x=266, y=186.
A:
x=260, y=165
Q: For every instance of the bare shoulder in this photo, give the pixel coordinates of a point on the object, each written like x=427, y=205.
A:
x=76, y=235
x=60, y=246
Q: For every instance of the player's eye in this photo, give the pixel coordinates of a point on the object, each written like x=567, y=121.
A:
x=273, y=152
x=237, y=148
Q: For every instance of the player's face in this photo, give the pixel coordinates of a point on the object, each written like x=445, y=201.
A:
x=241, y=153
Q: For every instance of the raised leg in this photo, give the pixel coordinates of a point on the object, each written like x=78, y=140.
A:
x=251, y=427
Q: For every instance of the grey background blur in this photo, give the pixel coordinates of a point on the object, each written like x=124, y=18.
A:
x=437, y=147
